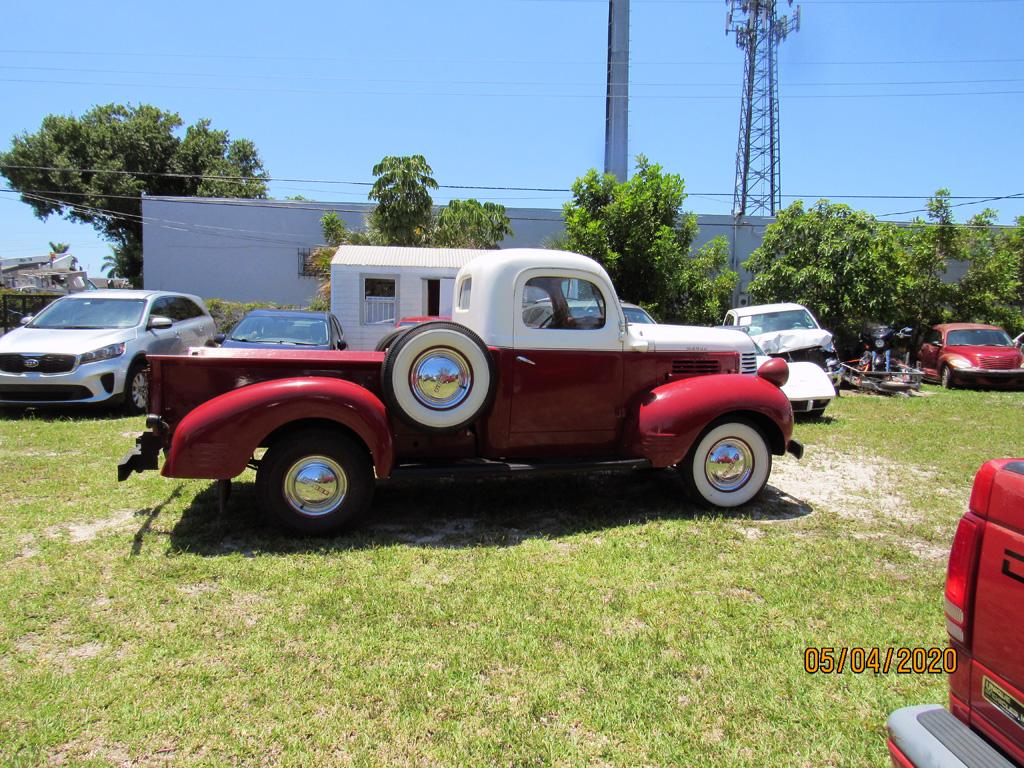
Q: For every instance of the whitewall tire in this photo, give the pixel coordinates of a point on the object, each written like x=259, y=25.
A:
x=729, y=466
x=438, y=377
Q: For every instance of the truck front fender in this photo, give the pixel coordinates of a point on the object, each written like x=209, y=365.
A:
x=216, y=440
x=668, y=420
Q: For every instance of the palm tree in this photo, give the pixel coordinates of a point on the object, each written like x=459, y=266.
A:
x=57, y=249
x=111, y=264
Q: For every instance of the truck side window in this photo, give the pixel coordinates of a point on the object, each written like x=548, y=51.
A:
x=565, y=303
x=465, y=290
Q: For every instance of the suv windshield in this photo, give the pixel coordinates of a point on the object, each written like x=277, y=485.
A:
x=90, y=313
x=979, y=337
x=787, y=320
x=305, y=331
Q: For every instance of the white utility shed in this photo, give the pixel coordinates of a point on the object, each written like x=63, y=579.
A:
x=372, y=286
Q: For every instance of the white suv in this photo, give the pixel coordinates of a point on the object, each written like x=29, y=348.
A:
x=91, y=347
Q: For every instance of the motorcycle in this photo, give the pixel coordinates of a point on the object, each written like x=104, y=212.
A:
x=878, y=369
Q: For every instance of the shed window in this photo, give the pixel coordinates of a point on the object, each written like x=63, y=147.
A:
x=379, y=300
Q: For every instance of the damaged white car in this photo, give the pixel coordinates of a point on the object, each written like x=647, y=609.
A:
x=788, y=331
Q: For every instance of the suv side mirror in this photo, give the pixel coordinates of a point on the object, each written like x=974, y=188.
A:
x=26, y=320
x=159, y=323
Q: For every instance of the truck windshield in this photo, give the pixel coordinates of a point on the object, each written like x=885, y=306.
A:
x=979, y=337
x=786, y=320
x=91, y=313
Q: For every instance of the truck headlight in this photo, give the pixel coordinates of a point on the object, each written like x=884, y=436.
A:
x=103, y=353
x=959, y=362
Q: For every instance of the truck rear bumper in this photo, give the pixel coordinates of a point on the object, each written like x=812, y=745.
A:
x=145, y=455
x=928, y=736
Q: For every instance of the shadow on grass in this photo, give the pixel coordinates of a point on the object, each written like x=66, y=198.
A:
x=499, y=512
x=48, y=413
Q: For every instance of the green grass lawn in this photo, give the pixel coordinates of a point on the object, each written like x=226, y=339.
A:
x=538, y=621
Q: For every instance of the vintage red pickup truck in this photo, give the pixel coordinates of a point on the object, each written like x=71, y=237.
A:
x=537, y=371
x=984, y=726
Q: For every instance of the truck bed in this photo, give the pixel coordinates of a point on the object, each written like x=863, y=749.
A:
x=179, y=383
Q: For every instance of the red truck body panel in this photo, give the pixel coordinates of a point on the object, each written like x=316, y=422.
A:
x=217, y=439
x=985, y=617
x=217, y=406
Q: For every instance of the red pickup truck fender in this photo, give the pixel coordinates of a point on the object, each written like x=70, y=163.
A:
x=216, y=440
x=669, y=419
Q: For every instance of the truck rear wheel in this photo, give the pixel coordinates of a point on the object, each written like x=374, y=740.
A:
x=729, y=465
x=438, y=377
x=315, y=481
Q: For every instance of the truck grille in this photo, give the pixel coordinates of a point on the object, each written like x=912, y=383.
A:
x=997, y=362
x=695, y=367
x=11, y=363
x=748, y=362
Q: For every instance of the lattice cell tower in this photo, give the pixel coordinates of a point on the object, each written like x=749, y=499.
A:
x=758, y=33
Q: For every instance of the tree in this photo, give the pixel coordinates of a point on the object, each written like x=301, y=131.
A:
x=922, y=296
x=58, y=249
x=470, y=224
x=95, y=169
x=636, y=231
x=991, y=286
x=335, y=233
x=112, y=265
x=836, y=261
x=404, y=211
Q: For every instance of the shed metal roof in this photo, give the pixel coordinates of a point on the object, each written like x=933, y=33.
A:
x=400, y=256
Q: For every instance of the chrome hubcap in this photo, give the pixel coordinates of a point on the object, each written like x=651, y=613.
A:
x=440, y=379
x=729, y=464
x=140, y=390
x=315, y=486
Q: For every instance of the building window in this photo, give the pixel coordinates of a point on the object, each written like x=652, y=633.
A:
x=380, y=300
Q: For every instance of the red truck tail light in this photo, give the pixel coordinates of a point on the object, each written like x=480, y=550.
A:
x=960, y=577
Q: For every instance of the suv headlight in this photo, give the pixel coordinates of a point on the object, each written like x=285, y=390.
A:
x=959, y=362
x=103, y=353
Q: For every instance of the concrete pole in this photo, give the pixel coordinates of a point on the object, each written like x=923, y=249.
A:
x=616, y=129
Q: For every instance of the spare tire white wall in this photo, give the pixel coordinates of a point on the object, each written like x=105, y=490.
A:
x=412, y=388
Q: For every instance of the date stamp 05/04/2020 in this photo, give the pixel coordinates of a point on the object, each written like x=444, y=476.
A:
x=829, y=660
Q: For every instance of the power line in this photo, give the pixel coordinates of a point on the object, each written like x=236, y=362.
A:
x=51, y=54
x=581, y=83
x=495, y=94
x=483, y=187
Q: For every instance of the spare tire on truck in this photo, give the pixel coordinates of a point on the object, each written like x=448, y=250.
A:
x=438, y=377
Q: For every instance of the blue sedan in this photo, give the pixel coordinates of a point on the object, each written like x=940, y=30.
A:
x=276, y=328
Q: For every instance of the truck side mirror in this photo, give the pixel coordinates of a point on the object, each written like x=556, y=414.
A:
x=218, y=338
x=26, y=320
x=159, y=323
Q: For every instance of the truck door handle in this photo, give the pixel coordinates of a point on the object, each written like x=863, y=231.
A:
x=527, y=360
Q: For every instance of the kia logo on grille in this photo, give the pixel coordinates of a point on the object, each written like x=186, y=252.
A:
x=31, y=362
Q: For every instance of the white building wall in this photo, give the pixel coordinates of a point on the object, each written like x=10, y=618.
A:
x=347, y=298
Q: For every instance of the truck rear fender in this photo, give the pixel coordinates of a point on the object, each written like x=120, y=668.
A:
x=667, y=421
x=217, y=439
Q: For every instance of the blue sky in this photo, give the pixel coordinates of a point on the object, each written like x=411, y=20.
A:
x=877, y=98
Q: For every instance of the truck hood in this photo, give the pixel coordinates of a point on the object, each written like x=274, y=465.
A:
x=690, y=338
x=62, y=341
x=777, y=342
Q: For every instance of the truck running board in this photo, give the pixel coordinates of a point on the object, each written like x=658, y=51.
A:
x=486, y=468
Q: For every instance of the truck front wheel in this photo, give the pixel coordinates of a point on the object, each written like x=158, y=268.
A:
x=315, y=482
x=729, y=465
